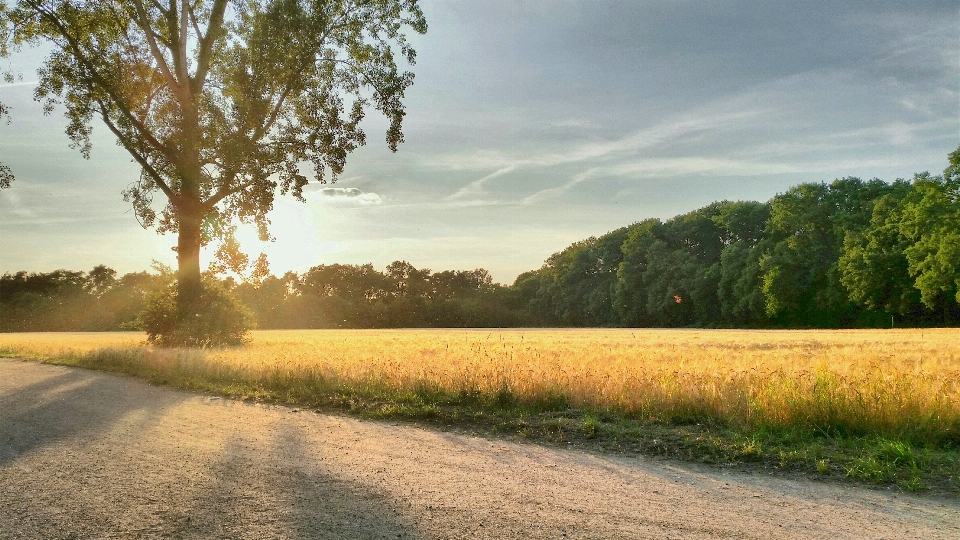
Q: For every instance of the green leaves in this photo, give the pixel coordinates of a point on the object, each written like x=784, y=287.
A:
x=847, y=253
x=6, y=176
x=910, y=252
x=931, y=222
x=221, y=101
x=808, y=225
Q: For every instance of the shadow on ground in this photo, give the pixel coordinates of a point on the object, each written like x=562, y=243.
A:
x=58, y=406
x=93, y=455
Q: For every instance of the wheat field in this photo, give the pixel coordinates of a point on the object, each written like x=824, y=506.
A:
x=903, y=383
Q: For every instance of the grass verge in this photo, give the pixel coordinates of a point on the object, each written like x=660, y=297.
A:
x=826, y=452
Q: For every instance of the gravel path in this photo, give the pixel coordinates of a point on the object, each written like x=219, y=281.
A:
x=93, y=455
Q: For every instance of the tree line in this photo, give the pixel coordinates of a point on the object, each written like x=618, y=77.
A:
x=326, y=296
x=850, y=253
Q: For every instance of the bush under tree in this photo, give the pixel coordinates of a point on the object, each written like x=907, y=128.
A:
x=217, y=319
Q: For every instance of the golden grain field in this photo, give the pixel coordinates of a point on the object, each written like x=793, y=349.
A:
x=863, y=381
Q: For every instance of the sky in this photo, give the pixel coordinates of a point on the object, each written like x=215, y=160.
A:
x=533, y=124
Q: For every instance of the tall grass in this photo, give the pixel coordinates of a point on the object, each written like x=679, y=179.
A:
x=897, y=384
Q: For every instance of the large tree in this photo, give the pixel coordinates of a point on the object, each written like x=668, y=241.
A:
x=220, y=102
x=873, y=267
x=930, y=220
x=807, y=227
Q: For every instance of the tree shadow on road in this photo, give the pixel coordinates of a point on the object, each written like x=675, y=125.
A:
x=247, y=485
x=60, y=404
x=282, y=490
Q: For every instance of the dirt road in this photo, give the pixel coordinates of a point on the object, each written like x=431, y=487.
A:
x=93, y=455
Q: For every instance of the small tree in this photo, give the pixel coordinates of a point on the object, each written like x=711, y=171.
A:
x=219, y=101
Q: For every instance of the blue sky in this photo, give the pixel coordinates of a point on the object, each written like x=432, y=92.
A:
x=532, y=125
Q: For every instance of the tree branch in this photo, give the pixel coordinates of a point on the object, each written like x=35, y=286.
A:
x=96, y=79
x=366, y=77
x=224, y=192
x=157, y=178
x=206, y=43
x=163, y=11
x=193, y=23
x=144, y=22
x=274, y=114
x=184, y=36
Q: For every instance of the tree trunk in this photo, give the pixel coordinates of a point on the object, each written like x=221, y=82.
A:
x=190, y=215
x=188, y=264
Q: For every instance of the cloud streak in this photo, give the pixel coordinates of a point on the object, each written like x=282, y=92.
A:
x=633, y=143
x=659, y=167
x=18, y=83
x=629, y=148
x=476, y=187
x=348, y=196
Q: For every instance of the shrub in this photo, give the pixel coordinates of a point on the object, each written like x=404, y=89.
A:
x=219, y=319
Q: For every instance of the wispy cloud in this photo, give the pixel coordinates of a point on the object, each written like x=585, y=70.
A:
x=13, y=204
x=579, y=123
x=348, y=195
x=660, y=167
x=648, y=138
x=776, y=127
x=627, y=148
x=887, y=134
x=917, y=39
x=560, y=190
x=18, y=83
x=476, y=187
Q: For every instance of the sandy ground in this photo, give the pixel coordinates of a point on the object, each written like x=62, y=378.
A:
x=92, y=455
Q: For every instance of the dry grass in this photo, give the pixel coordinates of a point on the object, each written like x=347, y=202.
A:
x=881, y=406
x=897, y=383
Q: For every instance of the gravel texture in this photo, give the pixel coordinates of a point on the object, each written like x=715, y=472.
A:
x=93, y=455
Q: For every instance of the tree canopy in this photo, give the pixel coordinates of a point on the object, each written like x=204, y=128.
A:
x=839, y=254
x=220, y=102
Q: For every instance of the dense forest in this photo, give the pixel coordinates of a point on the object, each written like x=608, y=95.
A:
x=850, y=253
